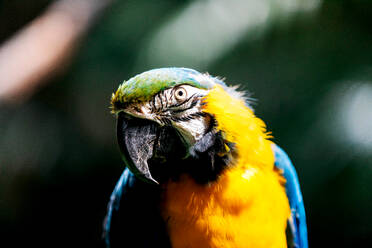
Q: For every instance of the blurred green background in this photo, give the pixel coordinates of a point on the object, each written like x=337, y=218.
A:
x=308, y=63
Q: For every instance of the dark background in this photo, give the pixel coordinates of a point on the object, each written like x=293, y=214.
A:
x=309, y=64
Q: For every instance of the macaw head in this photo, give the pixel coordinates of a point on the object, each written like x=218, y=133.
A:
x=173, y=120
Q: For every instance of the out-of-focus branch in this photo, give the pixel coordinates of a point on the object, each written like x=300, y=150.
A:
x=43, y=47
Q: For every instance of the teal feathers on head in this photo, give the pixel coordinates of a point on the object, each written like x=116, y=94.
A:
x=145, y=85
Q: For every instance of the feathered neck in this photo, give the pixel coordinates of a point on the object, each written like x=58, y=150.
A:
x=240, y=126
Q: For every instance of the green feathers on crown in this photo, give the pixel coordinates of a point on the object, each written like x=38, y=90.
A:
x=147, y=84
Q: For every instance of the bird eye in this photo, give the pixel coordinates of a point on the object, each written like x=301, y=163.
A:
x=180, y=94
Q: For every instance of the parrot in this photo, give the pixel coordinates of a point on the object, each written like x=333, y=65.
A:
x=201, y=169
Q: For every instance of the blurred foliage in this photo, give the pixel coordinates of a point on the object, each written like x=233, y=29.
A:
x=58, y=155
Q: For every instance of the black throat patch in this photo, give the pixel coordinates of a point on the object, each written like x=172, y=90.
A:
x=205, y=161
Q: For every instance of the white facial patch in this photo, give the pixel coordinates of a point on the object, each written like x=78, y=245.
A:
x=192, y=130
x=179, y=107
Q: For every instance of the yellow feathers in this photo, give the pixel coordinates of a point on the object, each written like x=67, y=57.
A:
x=247, y=205
x=241, y=127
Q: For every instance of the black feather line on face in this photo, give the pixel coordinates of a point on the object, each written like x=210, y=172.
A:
x=152, y=105
x=166, y=121
x=161, y=102
x=165, y=113
x=188, y=117
x=193, y=104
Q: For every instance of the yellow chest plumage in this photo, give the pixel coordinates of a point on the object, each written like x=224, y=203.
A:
x=247, y=205
x=244, y=208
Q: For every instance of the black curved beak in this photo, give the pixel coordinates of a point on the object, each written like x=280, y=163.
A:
x=150, y=151
x=136, y=139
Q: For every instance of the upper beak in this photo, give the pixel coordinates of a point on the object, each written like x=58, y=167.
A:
x=148, y=148
x=136, y=141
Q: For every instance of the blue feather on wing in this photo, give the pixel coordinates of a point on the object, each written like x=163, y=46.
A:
x=138, y=222
x=126, y=180
x=297, y=222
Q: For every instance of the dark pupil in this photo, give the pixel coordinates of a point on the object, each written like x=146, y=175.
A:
x=180, y=93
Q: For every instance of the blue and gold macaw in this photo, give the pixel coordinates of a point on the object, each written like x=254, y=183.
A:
x=201, y=170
